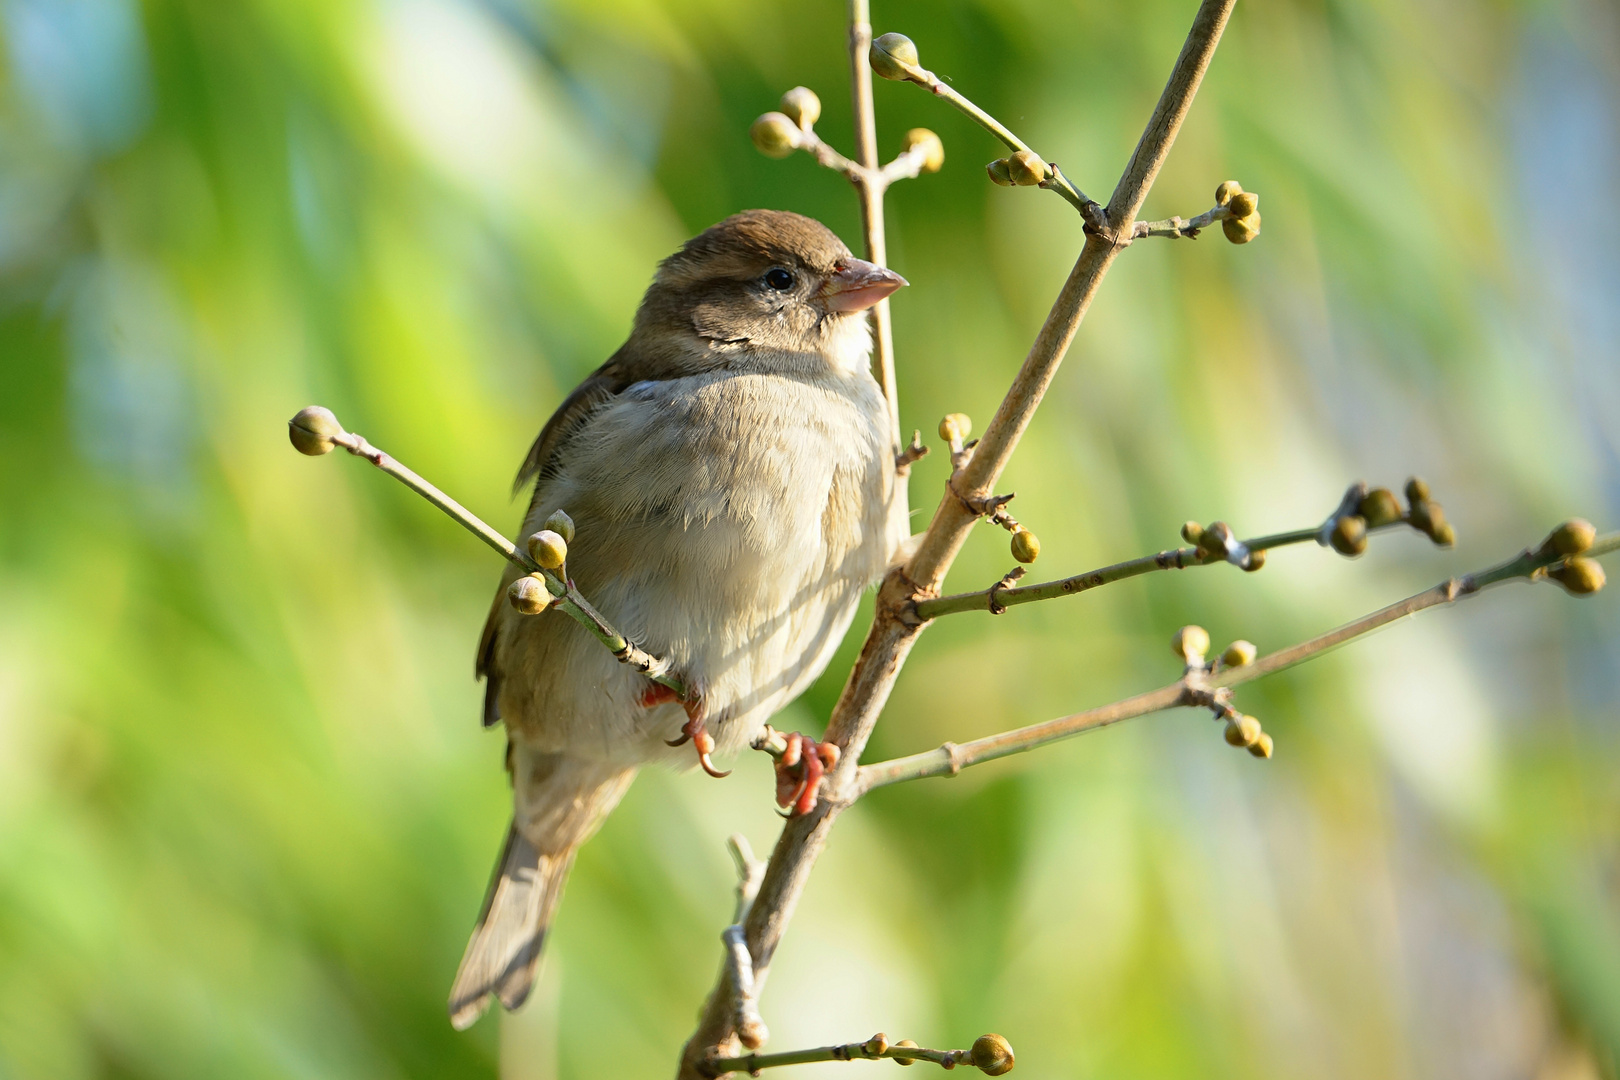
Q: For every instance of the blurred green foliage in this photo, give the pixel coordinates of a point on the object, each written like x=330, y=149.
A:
x=246, y=810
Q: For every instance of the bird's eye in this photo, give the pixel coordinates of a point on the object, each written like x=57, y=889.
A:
x=778, y=279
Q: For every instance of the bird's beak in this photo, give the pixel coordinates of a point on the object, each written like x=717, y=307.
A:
x=857, y=284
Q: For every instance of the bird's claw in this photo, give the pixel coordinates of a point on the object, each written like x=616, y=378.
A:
x=799, y=771
x=692, y=731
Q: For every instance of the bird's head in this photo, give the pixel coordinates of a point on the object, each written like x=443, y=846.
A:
x=768, y=282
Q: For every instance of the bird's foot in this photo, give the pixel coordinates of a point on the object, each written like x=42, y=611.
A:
x=799, y=771
x=693, y=731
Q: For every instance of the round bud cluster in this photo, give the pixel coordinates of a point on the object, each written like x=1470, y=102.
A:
x=1026, y=546
x=1578, y=575
x=1426, y=515
x=875, y=1045
x=1190, y=643
x=775, y=135
x=1349, y=535
x=801, y=106
x=898, y=1060
x=1239, y=653
x=998, y=173
x=928, y=146
x=548, y=549
x=1571, y=538
x=893, y=56
x=528, y=595
x=1255, y=561
x=314, y=431
x=1215, y=541
x=992, y=1054
x=1026, y=169
x=1379, y=507
x=1192, y=532
x=955, y=426
x=1242, y=222
x=1242, y=730
x=561, y=524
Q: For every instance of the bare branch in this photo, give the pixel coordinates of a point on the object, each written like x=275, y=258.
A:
x=1532, y=564
x=990, y=1053
x=312, y=435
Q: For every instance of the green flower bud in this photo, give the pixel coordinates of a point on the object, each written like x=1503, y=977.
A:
x=801, y=106
x=1026, y=546
x=1578, y=575
x=933, y=151
x=1191, y=532
x=1416, y=491
x=1215, y=541
x=561, y=524
x=876, y=1045
x=1224, y=193
x=1379, y=507
x=548, y=549
x=528, y=595
x=992, y=1054
x=775, y=135
x=1430, y=518
x=898, y=1060
x=313, y=430
x=955, y=426
x=1238, y=653
x=998, y=172
x=1242, y=730
x=1571, y=538
x=1241, y=230
x=1190, y=643
x=1257, y=559
x=1243, y=203
x=891, y=54
x=1349, y=535
x=1261, y=747
x=1026, y=168
x=1445, y=535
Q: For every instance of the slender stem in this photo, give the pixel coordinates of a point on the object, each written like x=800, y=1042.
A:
x=1177, y=228
x=870, y=188
x=1174, y=559
x=867, y=1051
x=894, y=629
x=569, y=598
x=952, y=758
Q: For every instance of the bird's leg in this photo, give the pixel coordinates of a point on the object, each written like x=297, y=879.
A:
x=693, y=730
x=799, y=771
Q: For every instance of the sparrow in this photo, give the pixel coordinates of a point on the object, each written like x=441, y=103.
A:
x=732, y=482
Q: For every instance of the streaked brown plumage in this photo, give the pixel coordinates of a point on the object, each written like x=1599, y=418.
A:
x=731, y=478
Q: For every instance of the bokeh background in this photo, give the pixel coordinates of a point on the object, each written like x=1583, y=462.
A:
x=246, y=809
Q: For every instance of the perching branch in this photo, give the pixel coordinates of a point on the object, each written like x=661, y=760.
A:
x=315, y=431
x=1553, y=560
x=894, y=629
x=990, y=1054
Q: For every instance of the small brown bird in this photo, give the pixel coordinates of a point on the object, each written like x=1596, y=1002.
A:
x=730, y=475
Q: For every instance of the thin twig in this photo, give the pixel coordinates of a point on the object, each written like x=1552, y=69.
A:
x=874, y=1049
x=1177, y=228
x=569, y=598
x=952, y=758
x=870, y=189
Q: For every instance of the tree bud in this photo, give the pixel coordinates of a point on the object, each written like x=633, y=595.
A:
x=1026, y=546
x=1238, y=653
x=1379, y=507
x=1416, y=491
x=801, y=106
x=775, y=135
x=891, y=54
x=1445, y=535
x=925, y=141
x=561, y=524
x=898, y=1060
x=1224, y=193
x=1026, y=168
x=1571, y=538
x=1191, y=531
x=1241, y=230
x=999, y=173
x=1257, y=559
x=1430, y=518
x=992, y=1054
x=313, y=430
x=1261, y=747
x=955, y=426
x=1190, y=643
x=1349, y=535
x=528, y=595
x=1215, y=540
x=1242, y=730
x=548, y=549
x=1578, y=575
x=1243, y=203
x=876, y=1044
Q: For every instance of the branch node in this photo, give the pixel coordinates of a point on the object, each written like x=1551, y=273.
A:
x=1006, y=582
